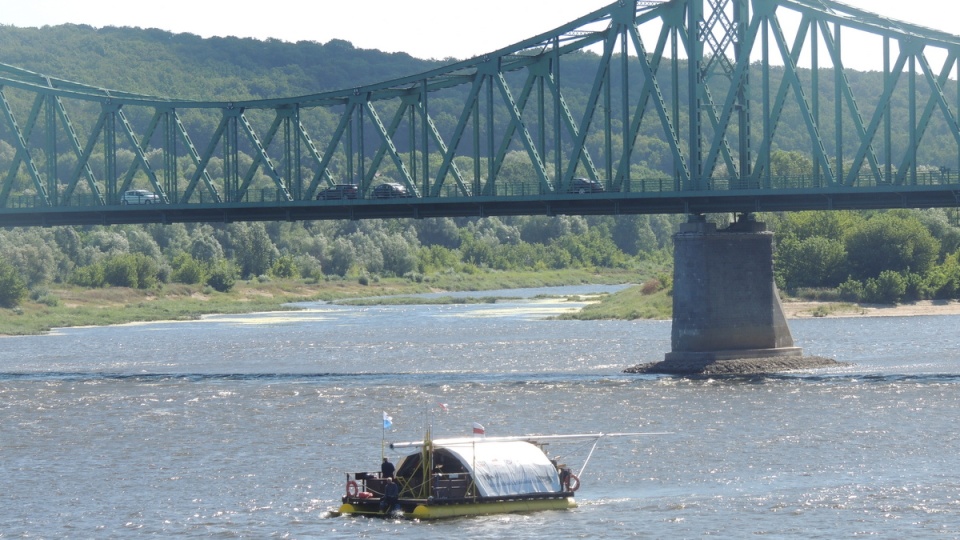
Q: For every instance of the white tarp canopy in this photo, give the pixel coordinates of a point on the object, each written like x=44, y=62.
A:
x=506, y=468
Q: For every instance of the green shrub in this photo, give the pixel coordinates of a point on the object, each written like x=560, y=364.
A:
x=89, y=276
x=49, y=300
x=120, y=271
x=285, y=267
x=851, y=290
x=222, y=276
x=38, y=292
x=888, y=288
x=188, y=270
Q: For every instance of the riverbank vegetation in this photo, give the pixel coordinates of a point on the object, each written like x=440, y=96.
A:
x=873, y=257
x=69, y=276
x=59, y=305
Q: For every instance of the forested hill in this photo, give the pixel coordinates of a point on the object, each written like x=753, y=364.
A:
x=186, y=66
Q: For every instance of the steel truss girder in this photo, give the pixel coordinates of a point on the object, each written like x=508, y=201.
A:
x=515, y=102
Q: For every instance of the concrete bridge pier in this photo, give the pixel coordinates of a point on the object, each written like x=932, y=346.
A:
x=727, y=316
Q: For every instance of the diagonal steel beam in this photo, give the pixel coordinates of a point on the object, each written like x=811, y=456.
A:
x=23, y=152
x=847, y=93
x=141, y=158
x=525, y=136
x=200, y=162
x=791, y=80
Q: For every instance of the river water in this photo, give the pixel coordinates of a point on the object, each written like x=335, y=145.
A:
x=245, y=426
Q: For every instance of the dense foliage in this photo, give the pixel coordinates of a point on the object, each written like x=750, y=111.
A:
x=880, y=257
x=145, y=257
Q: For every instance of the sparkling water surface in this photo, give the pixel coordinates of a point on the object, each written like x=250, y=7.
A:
x=245, y=426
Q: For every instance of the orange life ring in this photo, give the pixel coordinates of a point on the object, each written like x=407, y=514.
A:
x=573, y=483
x=352, y=488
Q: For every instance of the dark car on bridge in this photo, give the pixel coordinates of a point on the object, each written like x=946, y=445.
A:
x=339, y=191
x=390, y=191
x=584, y=185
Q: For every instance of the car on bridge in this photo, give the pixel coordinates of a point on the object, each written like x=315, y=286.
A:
x=139, y=196
x=584, y=185
x=390, y=191
x=339, y=192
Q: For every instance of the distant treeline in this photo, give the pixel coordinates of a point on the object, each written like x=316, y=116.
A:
x=148, y=256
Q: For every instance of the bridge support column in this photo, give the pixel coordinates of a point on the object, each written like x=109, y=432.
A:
x=725, y=302
x=727, y=316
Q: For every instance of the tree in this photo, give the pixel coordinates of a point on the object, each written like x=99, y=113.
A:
x=438, y=231
x=890, y=242
x=206, y=248
x=632, y=234
x=341, y=258
x=146, y=271
x=141, y=242
x=254, y=250
x=366, y=248
x=34, y=253
x=791, y=163
x=802, y=225
x=437, y=258
x=171, y=238
x=187, y=269
x=812, y=262
x=285, y=267
x=943, y=281
x=13, y=289
x=121, y=271
x=109, y=241
x=543, y=229
x=399, y=257
x=478, y=251
x=91, y=275
x=130, y=270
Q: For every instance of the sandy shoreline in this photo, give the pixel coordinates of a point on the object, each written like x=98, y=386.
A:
x=805, y=310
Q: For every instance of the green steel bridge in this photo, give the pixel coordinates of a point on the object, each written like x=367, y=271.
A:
x=712, y=78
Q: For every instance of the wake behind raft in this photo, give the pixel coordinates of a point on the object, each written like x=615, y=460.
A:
x=467, y=477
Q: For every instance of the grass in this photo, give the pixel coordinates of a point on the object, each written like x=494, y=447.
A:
x=118, y=305
x=834, y=308
x=636, y=302
x=416, y=301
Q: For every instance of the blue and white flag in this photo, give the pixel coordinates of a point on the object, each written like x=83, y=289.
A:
x=387, y=420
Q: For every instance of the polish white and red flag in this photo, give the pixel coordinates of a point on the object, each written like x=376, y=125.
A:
x=478, y=429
